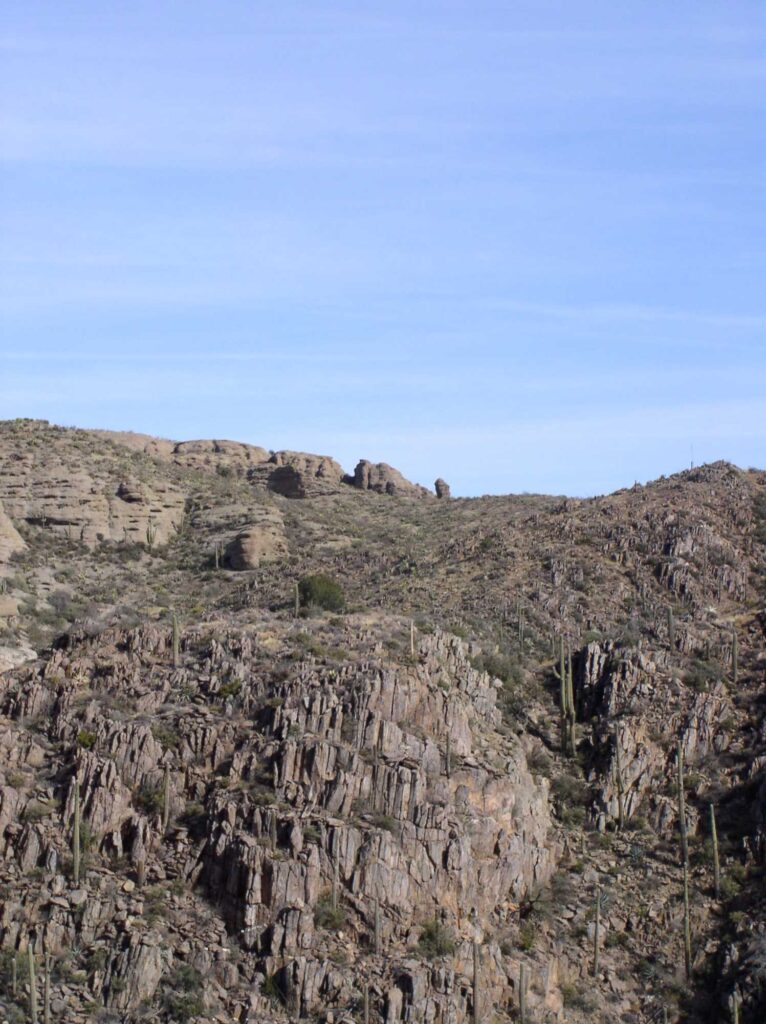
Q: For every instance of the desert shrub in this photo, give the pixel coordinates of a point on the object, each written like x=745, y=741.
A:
x=36, y=810
x=327, y=916
x=384, y=821
x=702, y=674
x=527, y=936
x=231, y=689
x=194, y=818
x=149, y=799
x=270, y=988
x=539, y=761
x=501, y=666
x=166, y=735
x=436, y=940
x=570, y=791
x=154, y=904
x=577, y=998
x=86, y=739
x=321, y=591
x=182, y=997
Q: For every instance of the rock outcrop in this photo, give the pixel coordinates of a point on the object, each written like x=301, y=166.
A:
x=11, y=541
x=86, y=504
x=258, y=544
x=219, y=456
x=299, y=475
x=380, y=477
x=442, y=489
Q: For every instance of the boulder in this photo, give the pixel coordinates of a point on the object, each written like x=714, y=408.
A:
x=442, y=489
x=258, y=543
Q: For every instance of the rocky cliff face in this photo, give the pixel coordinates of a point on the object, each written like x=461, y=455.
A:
x=268, y=793
x=384, y=812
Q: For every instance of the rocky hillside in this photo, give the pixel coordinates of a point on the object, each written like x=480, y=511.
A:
x=475, y=786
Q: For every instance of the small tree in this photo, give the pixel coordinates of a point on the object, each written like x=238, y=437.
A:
x=321, y=591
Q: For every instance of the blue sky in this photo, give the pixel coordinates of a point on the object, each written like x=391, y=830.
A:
x=516, y=244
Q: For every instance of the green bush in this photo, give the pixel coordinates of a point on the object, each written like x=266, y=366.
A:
x=436, y=940
x=327, y=916
x=149, y=799
x=182, y=997
x=527, y=936
x=321, y=591
x=86, y=739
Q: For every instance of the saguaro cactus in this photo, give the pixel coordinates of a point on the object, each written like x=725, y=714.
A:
x=597, y=932
x=176, y=642
x=523, y=994
x=476, y=987
x=335, y=875
x=620, y=781
x=682, y=807
x=76, y=845
x=166, y=798
x=687, y=926
x=297, y=600
x=734, y=656
x=47, y=991
x=716, y=858
x=32, y=982
x=566, y=700
x=685, y=861
x=671, y=628
x=377, y=932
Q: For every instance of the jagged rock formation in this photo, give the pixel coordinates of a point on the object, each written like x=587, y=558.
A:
x=442, y=488
x=337, y=777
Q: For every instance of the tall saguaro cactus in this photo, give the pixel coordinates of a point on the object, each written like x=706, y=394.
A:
x=716, y=858
x=523, y=993
x=734, y=656
x=335, y=875
x=166, y=798
x=32, y=982
x=687, y=926
x=476, y=986
x=76, y=844
x=620, y=781
x=176, y=642
x=47, y=991
x=685, y=861
x=597, y=932
x=682, y=806
x=566, y=700
x=377, y=931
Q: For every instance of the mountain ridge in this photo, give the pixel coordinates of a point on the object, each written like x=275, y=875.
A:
x=393, y=810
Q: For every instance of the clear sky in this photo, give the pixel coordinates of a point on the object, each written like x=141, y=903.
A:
x=515, y=243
